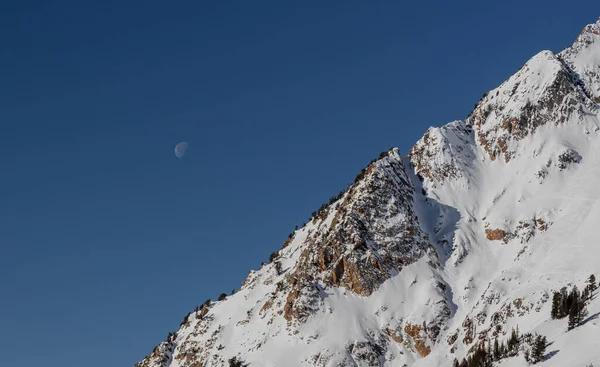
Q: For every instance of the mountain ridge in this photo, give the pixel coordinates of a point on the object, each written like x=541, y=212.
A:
x=426, y=256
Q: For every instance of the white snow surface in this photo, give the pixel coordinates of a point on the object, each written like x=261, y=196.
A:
x=545, y=199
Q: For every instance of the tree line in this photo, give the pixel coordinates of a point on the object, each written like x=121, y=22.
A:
x=533, y=347
x=573, y=303
x=566, y=303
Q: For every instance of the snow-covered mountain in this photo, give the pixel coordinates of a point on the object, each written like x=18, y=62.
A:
x=428, y=256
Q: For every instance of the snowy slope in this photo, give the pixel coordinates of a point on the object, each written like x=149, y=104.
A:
x=427, y=255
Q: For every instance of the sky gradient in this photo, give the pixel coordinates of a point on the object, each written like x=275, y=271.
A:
x=107, y=239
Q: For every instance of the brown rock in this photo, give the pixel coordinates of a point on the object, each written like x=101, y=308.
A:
x=469, y=331
x=266, y=306
x=452, y=338
x=394, y=334
x=414, y=331
x=495, y=234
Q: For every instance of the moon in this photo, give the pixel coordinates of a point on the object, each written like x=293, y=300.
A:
x=181, y=149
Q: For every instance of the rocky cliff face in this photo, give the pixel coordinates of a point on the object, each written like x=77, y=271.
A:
x=363, y=239
x=427, y=256
x=583, y=59
x=443, y=154
x=544, y=91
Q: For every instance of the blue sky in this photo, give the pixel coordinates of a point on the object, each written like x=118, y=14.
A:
x=107, y=240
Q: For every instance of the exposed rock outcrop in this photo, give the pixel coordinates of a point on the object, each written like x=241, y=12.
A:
x=373, y=233
x=544, y=91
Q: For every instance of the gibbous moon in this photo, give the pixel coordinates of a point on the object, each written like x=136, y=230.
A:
x=180, y=149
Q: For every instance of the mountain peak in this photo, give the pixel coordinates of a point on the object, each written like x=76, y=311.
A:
x=542, y=92
x=589, y=32
x=442, y=153
x=433, y=257
x=583, y=58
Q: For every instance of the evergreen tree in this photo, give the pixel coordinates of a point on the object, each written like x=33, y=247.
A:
x=573, y=298
x=585, y=295
x=455, y=363
x=503, y=350
x=582, y=311
x=527, y=339
x=481, y=357
x=487, y=361
x=464, y=363
x=235, y=362
x=496, y=351
x=513, y=343
x=564, y=309
x=539, y=349
x=556, y=311
x=592, y=286
x=273, y=256
x=574, y=295
x=278, y=267
x=572, y=324
x=577, y=310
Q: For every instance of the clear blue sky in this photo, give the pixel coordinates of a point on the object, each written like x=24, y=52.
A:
x=107, y=240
